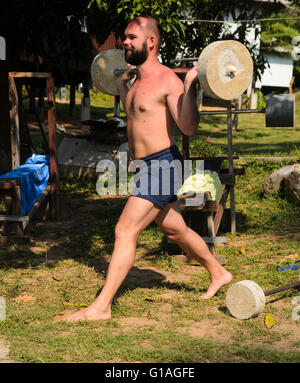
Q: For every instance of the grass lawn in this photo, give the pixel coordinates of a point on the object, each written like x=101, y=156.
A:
x=157, y=315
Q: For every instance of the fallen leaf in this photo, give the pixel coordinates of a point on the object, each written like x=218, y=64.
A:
x=242, y=251
x=269, y=321
x=25, y=298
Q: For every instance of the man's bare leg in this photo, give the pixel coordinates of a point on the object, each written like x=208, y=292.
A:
x=138, y=213
x=171, y=222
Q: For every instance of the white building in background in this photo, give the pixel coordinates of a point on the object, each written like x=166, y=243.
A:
x=279, y=73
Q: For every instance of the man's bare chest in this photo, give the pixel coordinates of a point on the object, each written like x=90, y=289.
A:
x=145, y=97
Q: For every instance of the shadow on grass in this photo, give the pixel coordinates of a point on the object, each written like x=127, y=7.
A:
x=86, y=236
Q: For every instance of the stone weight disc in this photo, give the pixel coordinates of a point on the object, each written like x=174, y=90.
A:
x=280, y=110
x=225, y=69
x=245, y=299
x=102, y=70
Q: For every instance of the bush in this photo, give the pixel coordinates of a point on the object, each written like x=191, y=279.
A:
x=261, y=100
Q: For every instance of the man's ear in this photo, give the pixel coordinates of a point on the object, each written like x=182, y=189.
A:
x=152, y=41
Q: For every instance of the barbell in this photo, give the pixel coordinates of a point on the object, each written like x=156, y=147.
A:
x=246, y=299
x=225, y=71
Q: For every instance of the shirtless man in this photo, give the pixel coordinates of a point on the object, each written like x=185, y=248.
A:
x=154, y=104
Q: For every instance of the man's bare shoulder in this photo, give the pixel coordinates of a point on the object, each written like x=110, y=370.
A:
x=169, y=78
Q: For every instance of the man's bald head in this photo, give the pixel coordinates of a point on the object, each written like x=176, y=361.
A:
x=149, y=25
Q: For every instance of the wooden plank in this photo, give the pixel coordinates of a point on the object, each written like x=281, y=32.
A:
x=204, y=204
x=38, y=203
x=236, y=171
x=30, y=74
x=209, y=206
x=26, y=218
x=5, y=185
x=14, y=218
x=227, y=179
x=214, y=239
x=13, y=181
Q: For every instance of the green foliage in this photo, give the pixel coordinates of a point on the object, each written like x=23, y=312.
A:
x=280, y=33
x=204, y=148
x=179, y=35
x=261, y=100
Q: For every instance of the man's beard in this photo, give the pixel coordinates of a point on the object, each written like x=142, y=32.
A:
x=137, y=57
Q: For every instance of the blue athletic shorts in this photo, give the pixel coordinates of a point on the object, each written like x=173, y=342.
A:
x=159, y=176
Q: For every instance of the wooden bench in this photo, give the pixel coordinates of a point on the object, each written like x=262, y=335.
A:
x=214, y=210
x=14, y=222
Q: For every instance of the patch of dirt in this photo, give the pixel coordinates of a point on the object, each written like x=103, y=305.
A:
x=130, y=323
x=210, y=329
x=248, y=240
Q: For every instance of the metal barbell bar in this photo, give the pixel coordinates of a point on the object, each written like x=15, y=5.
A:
x=225, y=71
x=279, y=111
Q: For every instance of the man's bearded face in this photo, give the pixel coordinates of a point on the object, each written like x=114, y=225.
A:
x=137, y=57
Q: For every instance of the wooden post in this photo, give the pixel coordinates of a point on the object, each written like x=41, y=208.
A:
x=5, y=134
x=291, y=85
x=14, y=124
x=54, y=183
x=235, y=117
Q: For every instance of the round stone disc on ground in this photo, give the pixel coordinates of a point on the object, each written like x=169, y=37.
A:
x=245, y=299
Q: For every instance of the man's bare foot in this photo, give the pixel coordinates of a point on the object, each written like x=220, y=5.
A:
x=216, y=284
x=88, y=314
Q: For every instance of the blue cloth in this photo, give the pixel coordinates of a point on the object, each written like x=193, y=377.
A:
x=34, y=176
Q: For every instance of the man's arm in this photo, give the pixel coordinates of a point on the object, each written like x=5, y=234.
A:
x=182, y=102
